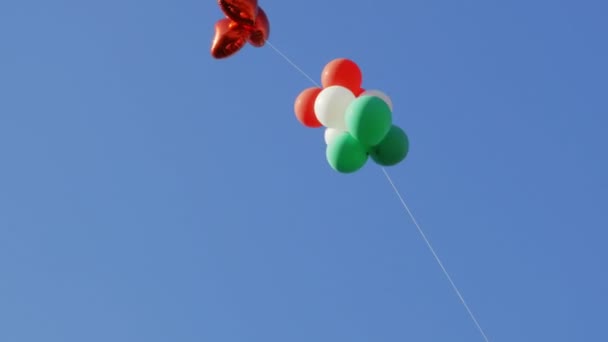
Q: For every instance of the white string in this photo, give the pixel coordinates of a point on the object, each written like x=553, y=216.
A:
x=407, y=209
x=292, y=63
x=445, y=272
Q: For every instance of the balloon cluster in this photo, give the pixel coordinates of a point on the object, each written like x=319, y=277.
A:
x=358, y=123
x=244, y=22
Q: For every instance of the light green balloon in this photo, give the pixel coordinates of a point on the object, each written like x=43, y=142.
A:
x=393, y=149
x=368, y=119
x=345, y=154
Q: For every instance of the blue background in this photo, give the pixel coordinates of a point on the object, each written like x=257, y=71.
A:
x=151, y=193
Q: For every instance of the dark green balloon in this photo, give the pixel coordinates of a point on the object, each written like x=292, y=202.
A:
x=393, y=149
x=345, y=154
x=368, y=119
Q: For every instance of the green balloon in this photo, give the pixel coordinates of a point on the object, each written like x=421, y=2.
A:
x=393, y=148
x=345, y=154
x=368, y=119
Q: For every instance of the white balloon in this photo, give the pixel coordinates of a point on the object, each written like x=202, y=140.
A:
x=379, y=94
x=331, y=104
x=331, y=134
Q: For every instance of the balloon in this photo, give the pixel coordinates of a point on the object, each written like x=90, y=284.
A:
x=245, y=22
x=331, y=104
x=342, y=72
x=240, y=11
x=304, y=107
x=379, y=94
x=358, y=122
x=393, y=148
x=261, y=30
x=331, y=134
x=345, y=154
x=229, y=38
x=368, y=119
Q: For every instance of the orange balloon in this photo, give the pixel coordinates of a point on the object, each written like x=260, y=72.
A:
x=304, y=107
x=342, y=72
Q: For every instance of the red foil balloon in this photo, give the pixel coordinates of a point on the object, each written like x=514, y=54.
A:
x=245, y=22
x=241, y=11
x=261, y=30
x=229, y=38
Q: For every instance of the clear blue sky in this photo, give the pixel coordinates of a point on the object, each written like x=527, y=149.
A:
x=151, y=193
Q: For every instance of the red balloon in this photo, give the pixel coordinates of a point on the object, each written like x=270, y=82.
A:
x=359, y=92
x=240, y=11
x=229, y=38
x=304, y=107
x=245, y=22
x=261, y=29
x=342, y=72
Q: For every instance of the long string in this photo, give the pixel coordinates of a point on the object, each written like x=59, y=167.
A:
x=405, y=206
x=445, y=272
x=292, y=63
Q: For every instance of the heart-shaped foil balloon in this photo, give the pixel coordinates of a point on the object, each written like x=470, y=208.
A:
x=241, y=11
x=245, y=22
x=261, y=30
x=229, y=38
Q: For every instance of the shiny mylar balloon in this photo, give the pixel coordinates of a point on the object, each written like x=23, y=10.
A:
x=260, y=30
x=245, y=22
x=241, y=11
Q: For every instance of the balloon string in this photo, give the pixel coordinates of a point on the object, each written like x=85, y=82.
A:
x=407, y=209
x=292, y=63
x=428, y=243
